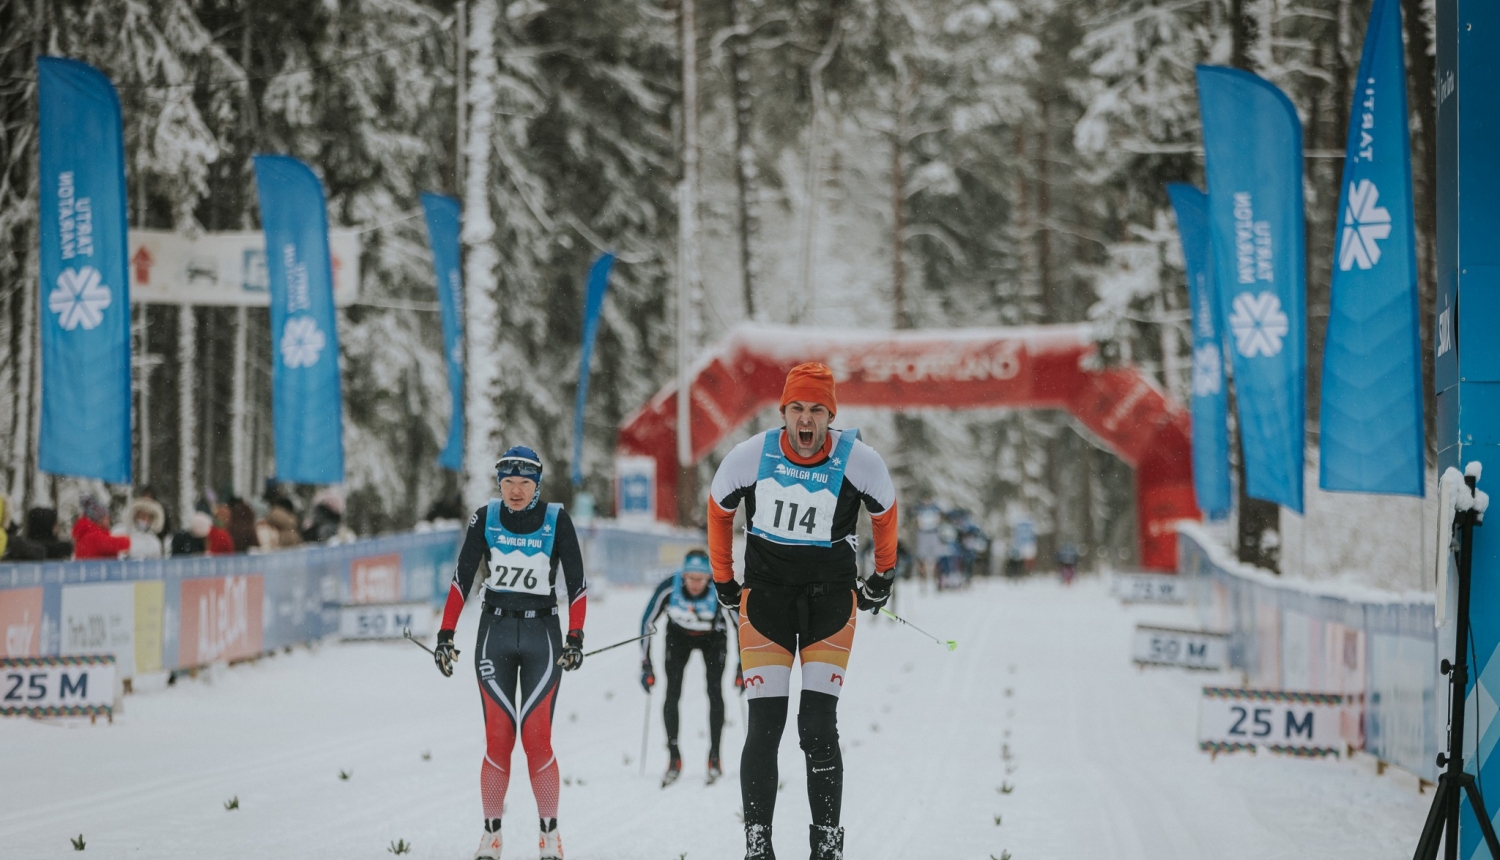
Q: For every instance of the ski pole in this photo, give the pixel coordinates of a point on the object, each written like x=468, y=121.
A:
x=647, y=634
x=645, y=732
x=406, y=632
x=950, y=644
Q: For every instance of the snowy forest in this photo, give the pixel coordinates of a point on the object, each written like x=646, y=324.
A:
x=856, y=163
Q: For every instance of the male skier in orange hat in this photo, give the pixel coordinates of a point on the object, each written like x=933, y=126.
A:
x=802, y=485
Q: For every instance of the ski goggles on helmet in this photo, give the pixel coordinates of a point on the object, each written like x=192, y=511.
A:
x=518, y=467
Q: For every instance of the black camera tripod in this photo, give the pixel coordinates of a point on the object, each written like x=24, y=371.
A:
x=1442, y=819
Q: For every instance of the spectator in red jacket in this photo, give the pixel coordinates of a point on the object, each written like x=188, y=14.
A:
x=91, y=537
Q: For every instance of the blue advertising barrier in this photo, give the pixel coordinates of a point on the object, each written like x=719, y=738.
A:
x=1378, y=648
x=181, y=612
x=178, y=613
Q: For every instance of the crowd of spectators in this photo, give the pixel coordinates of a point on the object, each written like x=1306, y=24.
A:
x=219, y=525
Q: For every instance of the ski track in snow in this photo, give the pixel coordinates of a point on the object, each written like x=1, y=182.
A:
x=1103, y=761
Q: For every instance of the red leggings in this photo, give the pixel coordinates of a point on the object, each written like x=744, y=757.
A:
x=519, y=653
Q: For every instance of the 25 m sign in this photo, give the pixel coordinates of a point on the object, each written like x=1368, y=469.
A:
x=67, y=686
x=1301, y=724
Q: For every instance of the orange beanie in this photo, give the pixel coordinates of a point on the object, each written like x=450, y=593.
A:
x=810, y=383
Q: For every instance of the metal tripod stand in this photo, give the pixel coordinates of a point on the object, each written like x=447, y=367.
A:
x=1442, y=818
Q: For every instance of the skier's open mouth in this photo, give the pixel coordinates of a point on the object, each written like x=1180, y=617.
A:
x=805, y=438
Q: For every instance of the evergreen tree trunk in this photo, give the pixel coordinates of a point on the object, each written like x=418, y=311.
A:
x=746, y=173
x=1421, y=87
x=187, y=415
x=898, y=228
x=804, y=302
x=481, y=313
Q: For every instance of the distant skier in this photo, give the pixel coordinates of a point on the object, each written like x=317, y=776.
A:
x=802, y=486
x=1067, y=562
x=522, y=544
x=695, y=622
x=929, y=541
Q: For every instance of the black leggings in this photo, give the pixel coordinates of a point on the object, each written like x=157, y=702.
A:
x=816, y=623
x=680, y=646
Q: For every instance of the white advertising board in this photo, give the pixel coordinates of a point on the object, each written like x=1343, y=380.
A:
x=1170, y=646
x=1302, y=724
x=224, y=268
x=57, y=686
x=1150, y=588
x=100, y=619
x=385, y=622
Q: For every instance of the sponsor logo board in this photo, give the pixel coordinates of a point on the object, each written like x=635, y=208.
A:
x=221, y=619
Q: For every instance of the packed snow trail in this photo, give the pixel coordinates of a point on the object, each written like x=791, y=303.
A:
x=1102, y=757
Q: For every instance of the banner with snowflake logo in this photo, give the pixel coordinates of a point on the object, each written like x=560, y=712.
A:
x=1252, y=142
x=306, y=401
x=443, y=215
x=1210, y=400
x=86, y=324
x=1371, y=438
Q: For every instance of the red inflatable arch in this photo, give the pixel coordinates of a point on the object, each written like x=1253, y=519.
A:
x=1042, y=367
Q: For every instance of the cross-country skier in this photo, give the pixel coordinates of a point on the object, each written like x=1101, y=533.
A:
x=695, y=622
x=521, y=544
x=802, y=486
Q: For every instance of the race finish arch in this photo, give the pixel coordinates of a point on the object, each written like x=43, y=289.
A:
x=1039, y=367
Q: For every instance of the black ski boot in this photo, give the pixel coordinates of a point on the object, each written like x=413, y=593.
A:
x=827, y=842
x=715, y=770
x=758, y=842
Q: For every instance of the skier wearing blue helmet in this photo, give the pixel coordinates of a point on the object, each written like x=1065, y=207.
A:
x=695, y=622
x=522, y=545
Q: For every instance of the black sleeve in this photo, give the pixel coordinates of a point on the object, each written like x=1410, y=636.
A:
x=567, y=554
x=472, y=554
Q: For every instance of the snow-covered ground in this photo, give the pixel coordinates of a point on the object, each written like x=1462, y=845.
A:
x=1101, y=756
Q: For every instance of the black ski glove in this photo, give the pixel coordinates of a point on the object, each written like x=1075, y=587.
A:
x=572, y=655
x=739, y=679
x=648, y=676
x=876, y=590
x=729, y=594
x=444, y=654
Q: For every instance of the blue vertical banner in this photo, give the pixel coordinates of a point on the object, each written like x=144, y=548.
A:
x=444, y=220
x=1371, y=436
x=1210, y=399
x=306, y=402
x=1252, y=143
x=85, y=290
x=593, y=304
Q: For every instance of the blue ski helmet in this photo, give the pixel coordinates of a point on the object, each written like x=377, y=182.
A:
x=521, y=462
x=696, y=561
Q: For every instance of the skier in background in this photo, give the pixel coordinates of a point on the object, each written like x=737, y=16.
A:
x=929, y=541
x=802, y=486
x=1067, y=562
x=522, y=544
x=695, y=622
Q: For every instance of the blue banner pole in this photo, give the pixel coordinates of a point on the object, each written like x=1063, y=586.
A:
x=306, y=400
x=85, y=427
x=1372, y=438
x=598, y=284
x=1252, y=143
x=1210, y=398
x=444, y=219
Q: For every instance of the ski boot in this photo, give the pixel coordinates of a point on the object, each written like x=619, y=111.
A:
x=758, y=842
x=551, y=841
x=827, y=842
x=714, y=770
x=489, y=847
x=674, y=770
